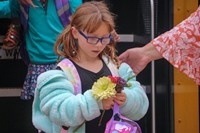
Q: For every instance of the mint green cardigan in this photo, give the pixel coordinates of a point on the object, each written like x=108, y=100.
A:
x=55, y=103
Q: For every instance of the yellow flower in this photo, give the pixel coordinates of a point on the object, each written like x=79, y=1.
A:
x=103, y=88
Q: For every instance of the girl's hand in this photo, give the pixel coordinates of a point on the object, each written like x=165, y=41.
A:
x=120, y=99
x=108, y=103
x=27, y=2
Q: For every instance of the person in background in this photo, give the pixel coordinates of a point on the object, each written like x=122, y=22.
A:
x=42, y=24
x=180, y=46
x=64, y=99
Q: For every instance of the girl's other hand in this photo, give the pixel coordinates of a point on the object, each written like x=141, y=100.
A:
x=120, y=99
x=108, y=103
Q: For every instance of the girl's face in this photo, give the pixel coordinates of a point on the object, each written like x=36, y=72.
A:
x=90, y=45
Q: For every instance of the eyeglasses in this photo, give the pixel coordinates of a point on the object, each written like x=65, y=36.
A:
x=94, y=40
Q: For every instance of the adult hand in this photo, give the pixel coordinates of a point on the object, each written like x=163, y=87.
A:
x=115, y=36
x=135, y=58
x=138, y=58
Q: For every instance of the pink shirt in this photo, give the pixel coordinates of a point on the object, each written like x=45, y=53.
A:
x=181, y=46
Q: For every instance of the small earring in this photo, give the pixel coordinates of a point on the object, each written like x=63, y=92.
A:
x=75, y=47
x=73, y=52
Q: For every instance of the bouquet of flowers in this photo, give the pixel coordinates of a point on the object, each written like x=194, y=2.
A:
x=106, y=87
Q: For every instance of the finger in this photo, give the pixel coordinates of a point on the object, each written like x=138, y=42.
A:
x=122, y=57
x=136, y=71
x=116, y=38
x=31, y=3
x=112, y=105
x=113, y=32
x=118, y=100
x=120, y=103
x=27, y=2
x=119, y=94
x=122, y=100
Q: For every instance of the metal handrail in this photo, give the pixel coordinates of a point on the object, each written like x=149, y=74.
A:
x=153, y=72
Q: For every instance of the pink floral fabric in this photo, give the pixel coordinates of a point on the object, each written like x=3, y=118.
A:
x=181, y=46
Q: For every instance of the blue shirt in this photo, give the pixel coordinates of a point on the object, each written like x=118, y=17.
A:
x=43, y=29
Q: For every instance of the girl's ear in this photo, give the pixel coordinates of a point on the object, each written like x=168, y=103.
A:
x=74, y=32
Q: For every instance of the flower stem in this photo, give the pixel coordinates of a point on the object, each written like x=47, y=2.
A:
x=101, y=118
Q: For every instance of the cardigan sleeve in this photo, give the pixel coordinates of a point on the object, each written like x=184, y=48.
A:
x=137, y=102
x=55, y=100
x=181, y=46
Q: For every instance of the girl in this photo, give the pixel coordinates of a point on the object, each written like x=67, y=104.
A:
x=60, y=102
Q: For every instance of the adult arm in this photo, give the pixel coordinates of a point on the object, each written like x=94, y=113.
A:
x=181, y=46
x=139, y=57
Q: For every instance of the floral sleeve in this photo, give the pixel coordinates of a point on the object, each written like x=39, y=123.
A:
x=181, y=46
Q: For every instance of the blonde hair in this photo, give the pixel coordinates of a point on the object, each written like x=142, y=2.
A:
x=87, y=17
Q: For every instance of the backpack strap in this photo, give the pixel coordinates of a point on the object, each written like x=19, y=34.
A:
x=24, y=9
x=63, y=10
x=110, y=65
x=62, y=7
x=70, y=70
